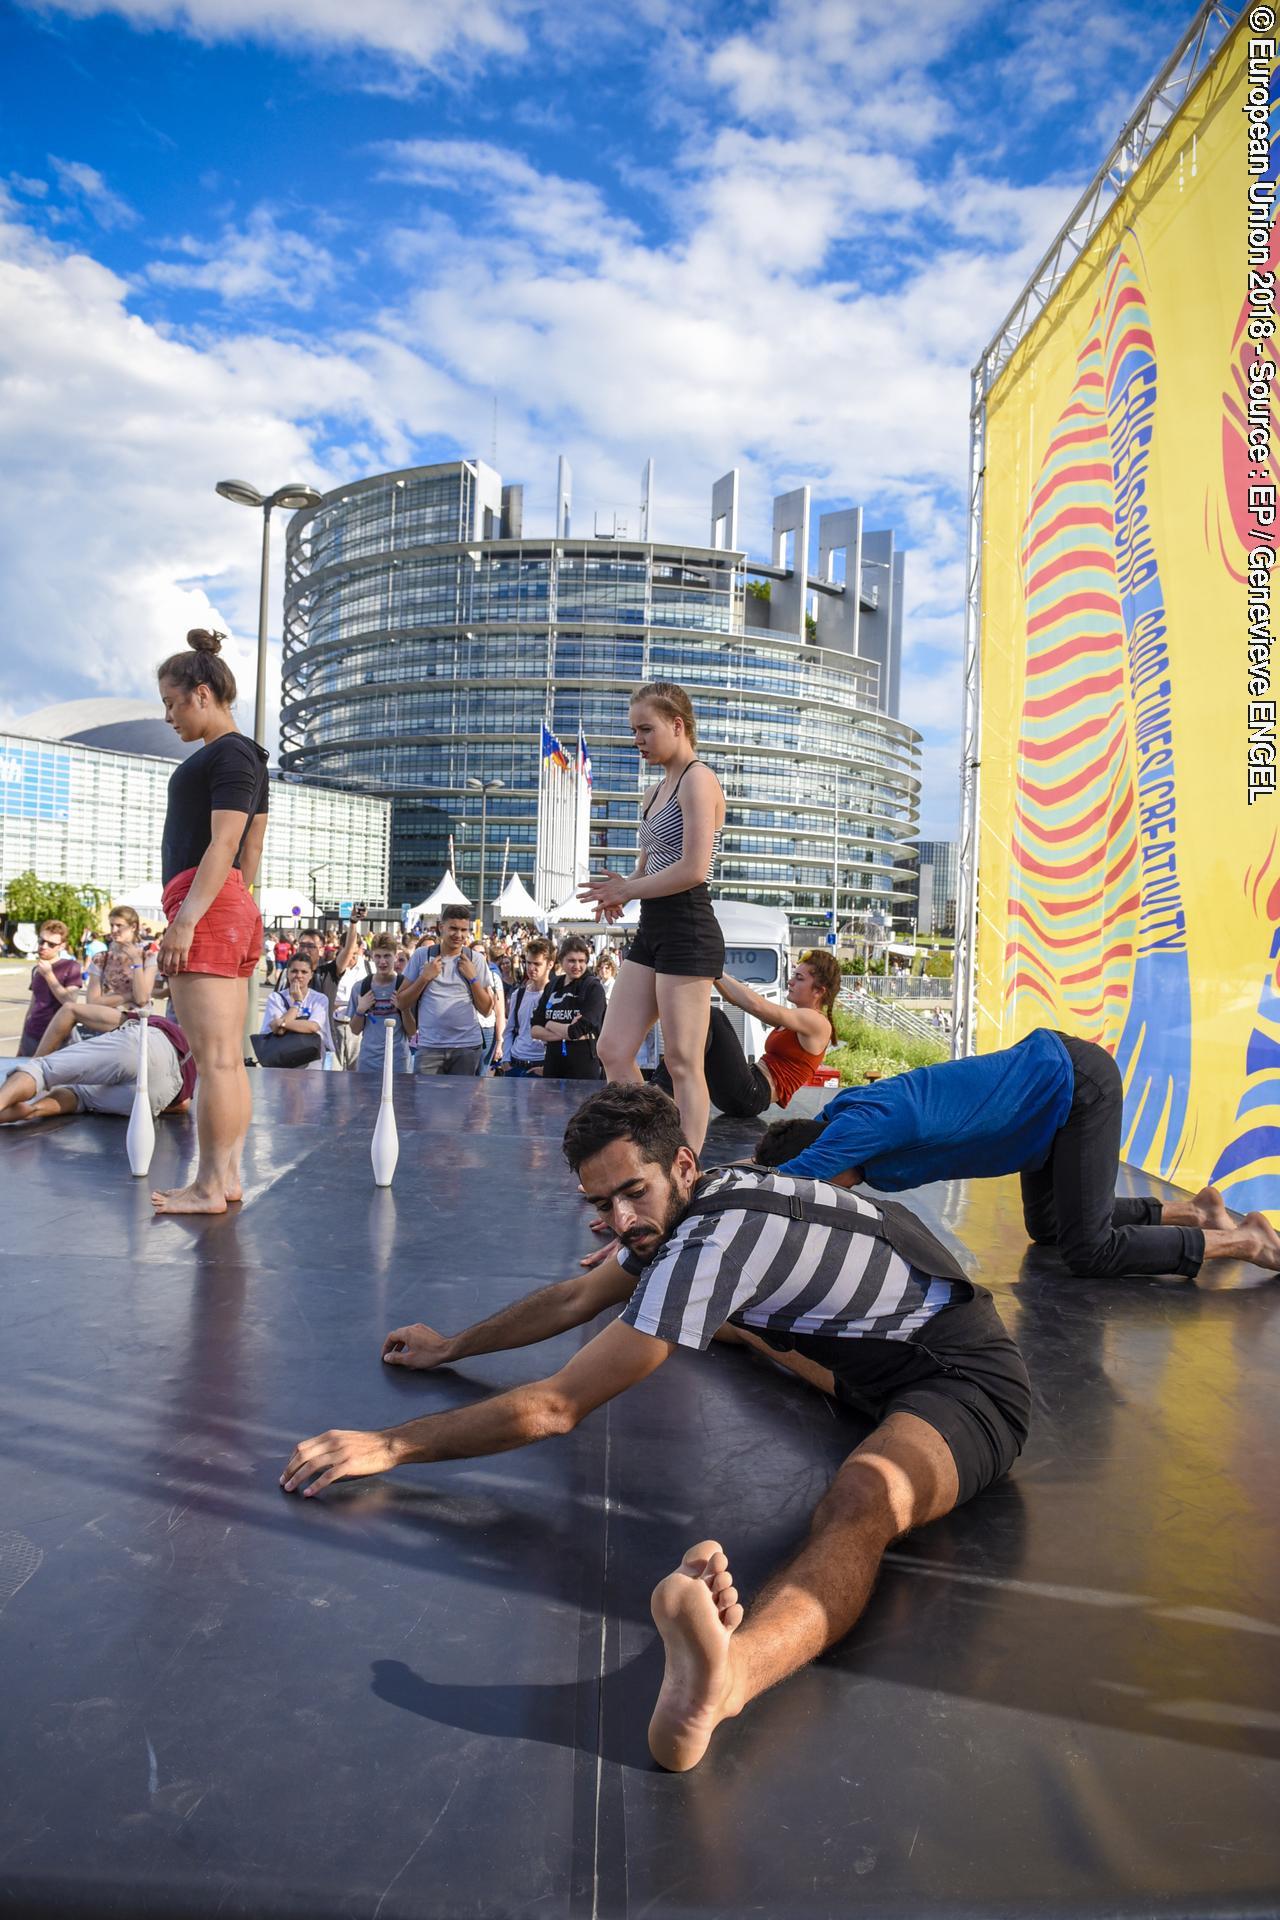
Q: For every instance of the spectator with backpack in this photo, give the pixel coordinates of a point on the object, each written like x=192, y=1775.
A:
x=522, y=1054
x=374, y=1011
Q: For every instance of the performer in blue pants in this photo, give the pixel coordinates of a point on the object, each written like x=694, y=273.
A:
x=1049, y=1110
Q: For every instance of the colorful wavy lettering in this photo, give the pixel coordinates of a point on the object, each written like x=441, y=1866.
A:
x=1248, y=1166
x=1098, y=930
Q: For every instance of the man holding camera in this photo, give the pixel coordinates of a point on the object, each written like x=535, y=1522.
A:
x=447, y=988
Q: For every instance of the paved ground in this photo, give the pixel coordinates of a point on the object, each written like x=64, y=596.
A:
x=14, y=976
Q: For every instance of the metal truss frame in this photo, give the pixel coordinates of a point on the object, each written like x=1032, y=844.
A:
x=1195, y=52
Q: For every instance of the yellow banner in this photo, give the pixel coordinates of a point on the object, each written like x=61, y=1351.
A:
x=1129, y=843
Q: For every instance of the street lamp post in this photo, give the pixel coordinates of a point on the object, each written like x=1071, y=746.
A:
x=292, y=495
x=835, y=869
x=484, y=788
x=311, y=875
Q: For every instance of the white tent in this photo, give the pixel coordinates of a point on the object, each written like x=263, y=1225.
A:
x=276, y=904
x=447, y=894
x=515, y=902
x=144, y=899
x=577, y=913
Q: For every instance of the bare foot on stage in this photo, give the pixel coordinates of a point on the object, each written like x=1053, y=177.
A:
x=189, y=1200
x=1263, y=1242
x=1210, y=1210
x=233, y=1192
x=696, y=1610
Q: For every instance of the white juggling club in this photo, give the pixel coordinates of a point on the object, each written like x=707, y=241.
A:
x=140, y=1141
x=386, y=1141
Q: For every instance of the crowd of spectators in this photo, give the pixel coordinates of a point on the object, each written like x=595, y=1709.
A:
x=513, y=1003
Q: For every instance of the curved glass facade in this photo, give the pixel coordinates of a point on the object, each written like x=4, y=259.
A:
x=423, y=650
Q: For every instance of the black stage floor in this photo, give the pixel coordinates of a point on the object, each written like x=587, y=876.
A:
x=427, y=1695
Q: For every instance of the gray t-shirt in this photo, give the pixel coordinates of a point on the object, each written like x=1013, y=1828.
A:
x=446, y=1012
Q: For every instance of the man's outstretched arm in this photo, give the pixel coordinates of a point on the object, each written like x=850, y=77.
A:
x=539, y=1316
x=616, y=1359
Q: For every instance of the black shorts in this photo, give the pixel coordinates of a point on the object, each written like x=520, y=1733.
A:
x=962, y=1374
x=679, y=934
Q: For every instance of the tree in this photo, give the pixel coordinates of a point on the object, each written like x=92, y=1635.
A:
x=28, y=897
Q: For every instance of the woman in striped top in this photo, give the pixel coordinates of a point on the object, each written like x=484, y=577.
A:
x=678, y=952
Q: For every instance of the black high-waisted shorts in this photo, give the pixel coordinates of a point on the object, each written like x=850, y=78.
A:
x=679, y=934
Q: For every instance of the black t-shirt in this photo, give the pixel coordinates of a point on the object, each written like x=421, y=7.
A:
x=575, y=1057
x=226, y=775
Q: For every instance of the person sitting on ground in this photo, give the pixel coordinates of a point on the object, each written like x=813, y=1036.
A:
x=99, y=1074
x=123, y=976
x=522, y=1055
x=1048, y=1109
x=799, y=1036
x=374, y=1011
x=56, y=981
x=446, y=989
x=297, y=1008
x=569, y=1016
x=890, y=1323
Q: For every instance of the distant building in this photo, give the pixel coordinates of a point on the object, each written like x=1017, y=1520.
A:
x=939, y=872
x=428, y=637
x=93, y=814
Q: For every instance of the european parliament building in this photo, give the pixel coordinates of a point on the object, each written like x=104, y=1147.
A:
x=427, y=637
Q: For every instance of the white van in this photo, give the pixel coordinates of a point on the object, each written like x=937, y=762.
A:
x=757, y=952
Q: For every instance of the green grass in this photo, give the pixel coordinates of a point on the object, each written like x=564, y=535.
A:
x=866, y=1049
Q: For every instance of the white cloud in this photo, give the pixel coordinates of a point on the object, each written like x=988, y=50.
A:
x=111, y=438
x=415, y=33
x=260, y=261
x=85, y=185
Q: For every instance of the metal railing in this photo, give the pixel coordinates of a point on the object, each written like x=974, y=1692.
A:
x=890, y=1015
x=902, y=986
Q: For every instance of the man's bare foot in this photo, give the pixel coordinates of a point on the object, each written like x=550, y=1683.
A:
x=233, y=1193
x=191, y=1199
x=696, y=1610
x=1205, y=1209
x=1263, y=1243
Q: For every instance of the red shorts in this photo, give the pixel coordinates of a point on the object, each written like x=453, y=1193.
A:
x=228, y=940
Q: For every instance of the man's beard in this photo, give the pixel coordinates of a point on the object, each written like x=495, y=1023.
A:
x=673, y=1213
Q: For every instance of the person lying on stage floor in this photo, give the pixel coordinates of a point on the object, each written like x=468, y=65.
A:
x=854, y=1296
x=1048, y=1109
x=100, y=1075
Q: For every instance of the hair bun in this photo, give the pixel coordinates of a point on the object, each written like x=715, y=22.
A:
x=202, y=641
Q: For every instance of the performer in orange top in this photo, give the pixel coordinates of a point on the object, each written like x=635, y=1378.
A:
x=797, y=1045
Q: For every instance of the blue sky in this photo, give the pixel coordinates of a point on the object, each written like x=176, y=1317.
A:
x=309, y=239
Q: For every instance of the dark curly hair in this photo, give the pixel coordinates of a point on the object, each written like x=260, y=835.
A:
x=784, y=1140
x=621, y=1111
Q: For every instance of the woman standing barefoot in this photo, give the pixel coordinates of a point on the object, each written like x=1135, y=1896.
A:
x=213, y=835
x=678, y=952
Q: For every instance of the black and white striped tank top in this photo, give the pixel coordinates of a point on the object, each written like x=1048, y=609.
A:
x=662, y=833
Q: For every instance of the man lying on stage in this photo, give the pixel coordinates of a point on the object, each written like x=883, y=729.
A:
x=856, y=1297
x=1048, y=1109
x=100, y=1075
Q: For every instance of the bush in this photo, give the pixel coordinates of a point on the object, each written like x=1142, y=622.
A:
x=864, y=1049
x=30, y=898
